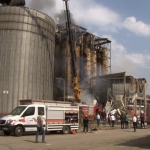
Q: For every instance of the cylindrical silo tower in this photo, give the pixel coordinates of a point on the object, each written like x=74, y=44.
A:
x=87, y=67
x=104, y=64
x=93, y=64
x=27, y=39
x=98, y=54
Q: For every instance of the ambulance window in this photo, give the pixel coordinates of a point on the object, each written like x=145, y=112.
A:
x=29, y=112
x=40, y=109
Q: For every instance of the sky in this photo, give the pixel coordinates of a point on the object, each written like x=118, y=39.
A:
x=125, y=23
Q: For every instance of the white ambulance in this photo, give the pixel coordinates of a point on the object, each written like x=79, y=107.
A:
x=58, y=116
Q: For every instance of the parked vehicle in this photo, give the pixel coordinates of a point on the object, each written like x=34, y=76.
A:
x=58, y=116
x=91, y=112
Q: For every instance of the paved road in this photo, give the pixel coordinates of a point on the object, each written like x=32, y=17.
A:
x=115, y=139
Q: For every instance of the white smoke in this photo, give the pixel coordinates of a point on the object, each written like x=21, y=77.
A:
x=87, y=97
x=49, y=8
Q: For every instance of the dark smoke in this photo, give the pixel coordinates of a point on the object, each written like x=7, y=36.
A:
x=13, y=2
x=62, y=17
x=41, y=4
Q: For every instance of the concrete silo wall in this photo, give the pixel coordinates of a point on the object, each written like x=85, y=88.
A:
x=104, y=61
x=87, y=67
x=93, y=64
x=66, y=68
x=27, y=39
x=98, y=62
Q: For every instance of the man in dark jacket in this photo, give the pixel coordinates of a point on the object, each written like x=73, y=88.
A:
x=122, y=120
x=85, y=123
x=126, y=121
x=142, y=118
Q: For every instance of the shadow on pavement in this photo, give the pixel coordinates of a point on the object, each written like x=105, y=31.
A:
x=29, y=141
x=140, y=143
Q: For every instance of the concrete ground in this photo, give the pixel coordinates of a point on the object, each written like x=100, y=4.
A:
x=110, y=139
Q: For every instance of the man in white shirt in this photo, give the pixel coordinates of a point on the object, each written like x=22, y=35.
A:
x=113, y=120
x=40, y=127
x=134, y=122
x=98, y=119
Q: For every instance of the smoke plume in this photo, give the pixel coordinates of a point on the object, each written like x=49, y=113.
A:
x=49, y=7
x=42, y=4
x=87, y=97
x=62, y=17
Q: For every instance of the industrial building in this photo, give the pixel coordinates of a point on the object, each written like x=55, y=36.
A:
x=35, y=63
x=27, y=45
x=93, y=58
x=28, y=50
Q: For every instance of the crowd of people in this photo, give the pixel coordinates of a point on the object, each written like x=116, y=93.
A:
x=124, y=121
x=125, y=118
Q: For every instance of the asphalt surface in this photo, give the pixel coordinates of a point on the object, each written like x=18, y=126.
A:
x=111, y=139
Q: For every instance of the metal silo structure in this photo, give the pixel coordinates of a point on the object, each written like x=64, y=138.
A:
x=93, y=63
x=87, y=67
x=104, y=64
x=27, y=43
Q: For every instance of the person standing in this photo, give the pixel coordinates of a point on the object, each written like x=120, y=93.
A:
x=134, y=122
x=98, y=119
x=40, y=128
x=126, y=121
x=122, y=120
x=109, y=118
x=142, y=118
x=113, y=120
x=85, y=123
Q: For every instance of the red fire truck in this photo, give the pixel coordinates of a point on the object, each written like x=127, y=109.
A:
x=91, y=112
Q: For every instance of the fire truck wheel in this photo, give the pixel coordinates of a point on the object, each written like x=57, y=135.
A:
x=6, y=132
x=66, y=130
x=18, y=131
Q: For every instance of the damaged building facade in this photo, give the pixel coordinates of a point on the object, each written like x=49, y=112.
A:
x=93, y=58
x=93, y=64
x=121, y=92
